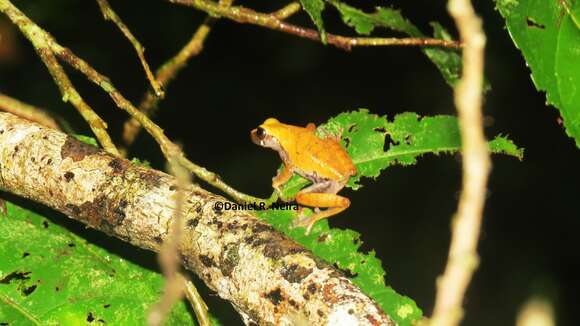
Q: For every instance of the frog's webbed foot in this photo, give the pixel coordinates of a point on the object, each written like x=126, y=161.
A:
x=305, y=221
x=280, y=195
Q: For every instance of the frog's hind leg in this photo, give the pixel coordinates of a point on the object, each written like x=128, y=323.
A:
x=334, y=204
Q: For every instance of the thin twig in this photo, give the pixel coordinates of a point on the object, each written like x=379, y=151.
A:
x=271, y=21
x=199, y=307
x=289, y=10
x=110, y=14
x=463, y=258
x=167, y=147
x=27, y=111
x=50, y=47
x=166, y=73
x=41, y=41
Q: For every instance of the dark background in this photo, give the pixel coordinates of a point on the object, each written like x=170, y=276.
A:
x=247, y=73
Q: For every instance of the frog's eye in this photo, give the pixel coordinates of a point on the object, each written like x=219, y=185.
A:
x=261, y=133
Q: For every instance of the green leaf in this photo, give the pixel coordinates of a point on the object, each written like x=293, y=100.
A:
x=409, y=136
x=340, y=247
x=50, y=276
x=502, y=145
x=365, y=23
x=86, y=139
x=548, y=35
x=447, y=61
x=314, y=9
x=143, y=163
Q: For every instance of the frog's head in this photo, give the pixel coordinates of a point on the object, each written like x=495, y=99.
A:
x=266, y=135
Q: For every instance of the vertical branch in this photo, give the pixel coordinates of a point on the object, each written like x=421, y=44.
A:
x=109, y=14
x=168, y=255
x=463, y=259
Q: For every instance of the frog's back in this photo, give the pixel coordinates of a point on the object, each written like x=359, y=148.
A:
x=325, y=158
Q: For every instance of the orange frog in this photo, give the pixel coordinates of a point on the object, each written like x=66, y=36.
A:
x=322, y=161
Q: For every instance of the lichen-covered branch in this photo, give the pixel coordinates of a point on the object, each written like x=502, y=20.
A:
x=463, y=258
x=167, y=72
x=274, y=22
x=266, y=276
x=26, y=111
x=41, y=40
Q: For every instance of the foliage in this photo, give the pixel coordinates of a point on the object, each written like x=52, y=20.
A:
x=87, y=140
x=548, y=34
x=314, y=8
x=364, y=135
x=50, y=276
x=447, y=61
x=409, y=136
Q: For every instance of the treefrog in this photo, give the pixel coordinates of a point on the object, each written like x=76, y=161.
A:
x=321, y=160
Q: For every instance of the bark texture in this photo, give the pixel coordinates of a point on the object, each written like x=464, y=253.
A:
x=270, y=279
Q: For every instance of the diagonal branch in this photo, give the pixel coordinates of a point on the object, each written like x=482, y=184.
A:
x=167, y=72
x=463, y=259
x=111, y=15
x=272, y=21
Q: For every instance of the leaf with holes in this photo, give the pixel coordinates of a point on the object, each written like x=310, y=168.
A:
x=409, y=136
x=548, y=35
x=50, y=276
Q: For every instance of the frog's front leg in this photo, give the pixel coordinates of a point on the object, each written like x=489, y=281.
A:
x=282, y=177
x=309, y=197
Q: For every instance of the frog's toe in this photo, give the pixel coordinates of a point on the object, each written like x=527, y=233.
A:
x=304, y=221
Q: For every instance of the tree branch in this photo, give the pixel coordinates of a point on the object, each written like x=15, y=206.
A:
x=268, y=277
x=272, y=21
x=463, y=258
